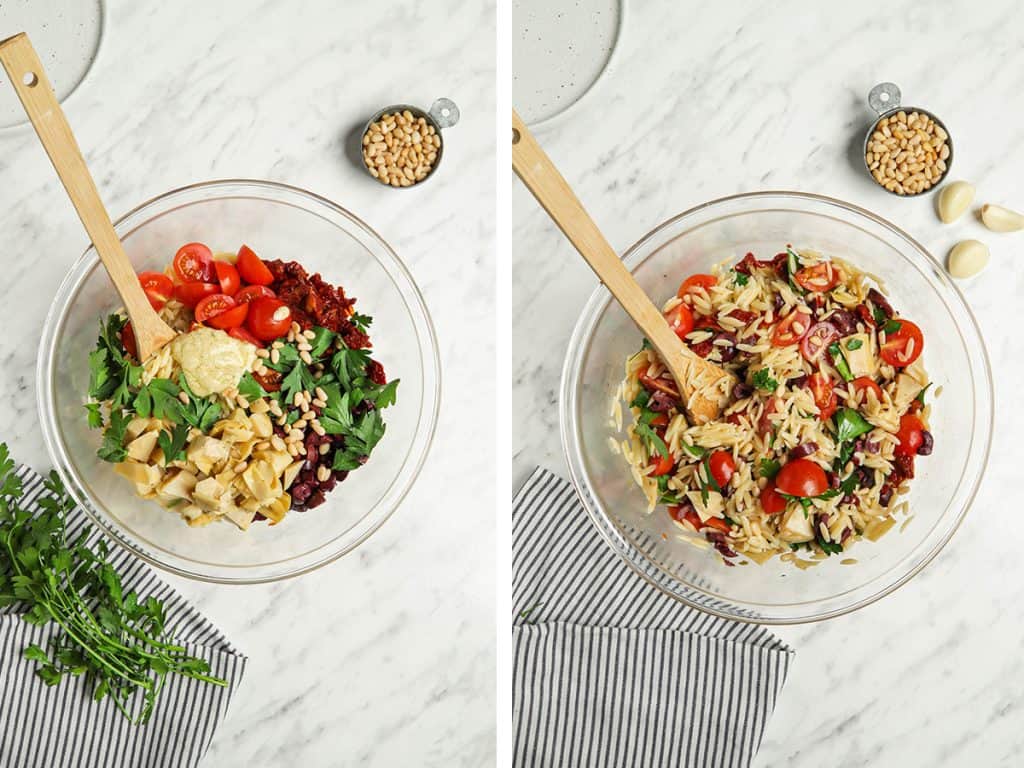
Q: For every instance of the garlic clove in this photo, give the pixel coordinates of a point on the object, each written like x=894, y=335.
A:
x=953, y=200
x=1000, y=219
x=968, y=258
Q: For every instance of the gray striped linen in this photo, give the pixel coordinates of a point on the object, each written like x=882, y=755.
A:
x=607, y=671
x=62, y=726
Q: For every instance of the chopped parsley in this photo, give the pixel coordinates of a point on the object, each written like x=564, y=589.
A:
x=892, y=326
x=854, y=344
x=738, y=278
x=839, y=361
x=768, y=468
x=879, y=314
x=763, y=380
x=850, y=425
x=173, y=443
x=920, y=395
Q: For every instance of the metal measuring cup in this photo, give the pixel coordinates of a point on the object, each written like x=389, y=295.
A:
x=884, y=99
x=443, y=113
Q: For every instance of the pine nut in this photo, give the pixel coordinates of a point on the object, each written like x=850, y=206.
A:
x=322, y=473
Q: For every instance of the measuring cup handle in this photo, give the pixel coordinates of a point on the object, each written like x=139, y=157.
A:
x=444, y=113
x=884, y=97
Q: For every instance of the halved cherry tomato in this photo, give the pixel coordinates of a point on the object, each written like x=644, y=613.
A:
x=771, y=501
x=904, y=346
x=817, y=340
x=228, y=277
x=213, y=305
x=242, y=334
x=717, y=523
x=661, y=420
x=680, y=320
x=694, y=282
x=793, y=327
x=252, y=269
x=659, y=384
x=722, y=466
x=819, y=278
x=191, y=294
x=910, y=435
x=230, y=318
x=662, y=465
x=801, y=477
x=826, y=400
x=862, y=383
x=266, y=321
x=158, y=287
x=128, y=341
x=193, y=263
x=251, y=292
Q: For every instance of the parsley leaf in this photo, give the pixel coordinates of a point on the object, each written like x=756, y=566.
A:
x=322, y=341
x=95, y=415
x=850, y=425
x=649, y=436
x=201, y=412
x=159, y=398
x=839, y=360
x=173, y=443
x=892, y=326
x=768, y=468
x=386, y=395
x=251, y=389
x=362, y=322
x=738, y=278
x=112, y=449
x=763, y=380
x=879, y=314
x=920, y=395
x=854, y=344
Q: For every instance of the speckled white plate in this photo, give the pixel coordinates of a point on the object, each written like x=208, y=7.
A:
x=560, y=49
x=66, y=35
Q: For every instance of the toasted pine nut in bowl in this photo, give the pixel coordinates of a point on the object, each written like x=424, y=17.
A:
x=907, y=150
x=402, y=146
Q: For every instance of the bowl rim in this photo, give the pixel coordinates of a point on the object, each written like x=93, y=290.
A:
x=610, y=532
x=430, y=355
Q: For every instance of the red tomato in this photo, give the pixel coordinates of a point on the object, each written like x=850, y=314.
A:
x=904, y=346
x=680, y=320
x=910, y=435
x=269, y=319
x=191, y=294
x=661, y=420
x=801, y=477
x=251, y=292
x=228, y=277
x=158, y=287
x=193, y=263
x=824, y=397
x=817, y=340
x=252, y=269
x=791, y=328
x=694, y=282
x=662, y=465
x=230, y=318
x=771, y=501
x=213, y=305
x=242, y=334
x=128, y=341
x=723, y=466
x=717, y=523
x=862, y=383
x=819, y=278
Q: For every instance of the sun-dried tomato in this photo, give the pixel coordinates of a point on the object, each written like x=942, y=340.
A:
x=314, y=301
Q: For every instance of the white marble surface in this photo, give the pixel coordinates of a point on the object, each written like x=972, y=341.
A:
x=738, y=97
x=384, y=658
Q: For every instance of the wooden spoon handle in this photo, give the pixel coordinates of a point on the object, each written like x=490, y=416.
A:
x=29, y=79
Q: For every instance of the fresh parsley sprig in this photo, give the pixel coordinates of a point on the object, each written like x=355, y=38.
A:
x=116, y=639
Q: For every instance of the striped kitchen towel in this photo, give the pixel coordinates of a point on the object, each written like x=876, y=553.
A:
x=607, y=671
x=62, y=727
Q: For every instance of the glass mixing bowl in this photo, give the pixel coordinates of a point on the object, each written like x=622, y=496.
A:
x=961, y=420
x=278, y=222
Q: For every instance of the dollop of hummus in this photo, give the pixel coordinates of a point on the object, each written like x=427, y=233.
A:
x=211, y=360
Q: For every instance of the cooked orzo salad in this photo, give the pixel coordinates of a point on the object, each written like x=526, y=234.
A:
x=266, y=399
x=824, y=424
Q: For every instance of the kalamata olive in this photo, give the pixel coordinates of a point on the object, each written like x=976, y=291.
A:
x=798, y=381
x=741, y=390
x=777, y=303
x=725, y=352
x=849, y=498
x=865, y=477
x=300, y=492
x=328, y=485
x=871, y=446
x=885, y=495
x=804, y=449
x=661, y=402
x=927, y=443
x=844, y=322
x=833, y=480
x=847, y=533
x=340, y=474
x=876, y=298
x=904, y=466
x=315, y=500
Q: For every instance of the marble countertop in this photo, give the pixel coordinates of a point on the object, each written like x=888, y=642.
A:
x=386, y=657
x=743, y=97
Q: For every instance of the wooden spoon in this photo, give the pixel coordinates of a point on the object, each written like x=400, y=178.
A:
x=693, y=374
x=29, y=79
